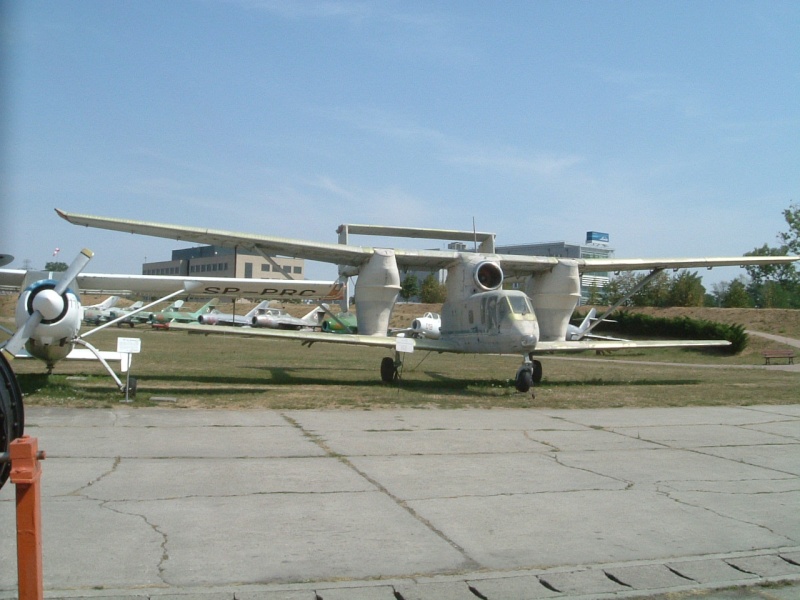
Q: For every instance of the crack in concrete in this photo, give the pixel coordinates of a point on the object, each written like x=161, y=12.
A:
x=160, y=567
x=80, y=491
x=470, y=562
x=668, y=495
x=628, y=484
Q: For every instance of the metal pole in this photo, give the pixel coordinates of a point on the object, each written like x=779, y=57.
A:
x=127, y=359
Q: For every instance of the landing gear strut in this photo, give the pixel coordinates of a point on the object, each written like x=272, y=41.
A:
x=530, y=372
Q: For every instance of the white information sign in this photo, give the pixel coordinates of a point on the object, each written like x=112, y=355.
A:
x=129, y=345
x=404, y=345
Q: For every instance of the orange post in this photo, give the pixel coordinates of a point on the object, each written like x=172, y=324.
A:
x=26, y=473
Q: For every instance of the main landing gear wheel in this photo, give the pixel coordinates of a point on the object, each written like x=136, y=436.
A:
x=536, y=374
x=388, y=370
x=12, y=421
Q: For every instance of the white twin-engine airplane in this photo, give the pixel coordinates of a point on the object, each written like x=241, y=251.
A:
x=478, y=315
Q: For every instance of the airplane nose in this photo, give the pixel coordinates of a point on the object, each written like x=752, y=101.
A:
x=529, y=341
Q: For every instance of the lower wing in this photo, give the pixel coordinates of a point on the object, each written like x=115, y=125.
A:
x=408, y=344
x=624, y=345
x=312, y=337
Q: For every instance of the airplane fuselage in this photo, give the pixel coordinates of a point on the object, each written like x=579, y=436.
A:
x=479, y=316
x=495, y=322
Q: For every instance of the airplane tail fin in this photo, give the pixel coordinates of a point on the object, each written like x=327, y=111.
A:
x=207, y=307
x=316, y=316
x=587, y=321
x=108, y=302
x=174, y=306
x=253, y=312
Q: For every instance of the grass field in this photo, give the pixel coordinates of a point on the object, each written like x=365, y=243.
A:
x=225, y=372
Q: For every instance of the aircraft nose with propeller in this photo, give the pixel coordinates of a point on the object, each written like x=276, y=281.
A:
x=48, y=316
x=48, y=320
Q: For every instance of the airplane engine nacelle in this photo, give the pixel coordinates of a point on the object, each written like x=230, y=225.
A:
x=489, y=276
x=51, y=340
x=554, y=295
x=208, y=319
x=376, y=292
x=263, y=321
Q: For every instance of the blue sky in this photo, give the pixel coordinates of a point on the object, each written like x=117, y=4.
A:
x=673, y=126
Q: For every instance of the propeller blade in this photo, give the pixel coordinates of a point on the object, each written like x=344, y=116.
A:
x=74, y=270
x=17, y=341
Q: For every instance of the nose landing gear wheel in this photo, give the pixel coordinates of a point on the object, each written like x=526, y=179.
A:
x=12, y=421
x=524, y=379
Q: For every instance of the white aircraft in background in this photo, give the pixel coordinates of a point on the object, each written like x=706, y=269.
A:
x=427, y=326
x=264, y=315
x=579, y=332
x=277, y=318
x=479, y=316
x=216, y=317
x=97, y=313
x=48, y=312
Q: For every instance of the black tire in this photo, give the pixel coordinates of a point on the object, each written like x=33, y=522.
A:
x=12, y=418
x=524, y=380
x=388, y=370
x=537, y=371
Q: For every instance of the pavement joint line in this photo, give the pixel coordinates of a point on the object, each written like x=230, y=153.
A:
x=380, y=487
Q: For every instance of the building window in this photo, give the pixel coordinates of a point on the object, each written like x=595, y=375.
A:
x=298, y=270
x=265, y=268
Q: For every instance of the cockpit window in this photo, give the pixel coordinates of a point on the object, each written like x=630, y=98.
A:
x=520, y=305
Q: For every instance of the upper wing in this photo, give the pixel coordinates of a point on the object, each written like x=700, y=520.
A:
x=355, y=256
x=212, y=286
x=12, y=278
x=593, y=265
x=338, y=254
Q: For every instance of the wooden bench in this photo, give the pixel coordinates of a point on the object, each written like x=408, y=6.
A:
x=778, y=353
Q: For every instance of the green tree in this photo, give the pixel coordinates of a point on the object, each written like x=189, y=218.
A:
x=619, y=287
x=57, y=267
x=410, y=287
x=778, y=286
x=431, y=291
x=686, y=289
x=791, y=238
x=736, y=295
x=655, y=293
